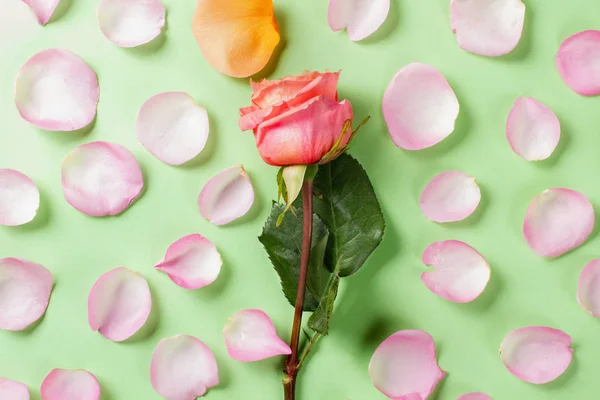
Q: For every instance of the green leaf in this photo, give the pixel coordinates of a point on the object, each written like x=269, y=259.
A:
x=346, y=202
x=320, y=320
x=284, y=246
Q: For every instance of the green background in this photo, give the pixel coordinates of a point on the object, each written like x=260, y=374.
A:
x=387, y=295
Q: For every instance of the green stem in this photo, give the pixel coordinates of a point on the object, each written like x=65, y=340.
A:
x=308, y=348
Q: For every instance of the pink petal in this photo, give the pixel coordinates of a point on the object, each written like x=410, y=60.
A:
x=404, y=366
x=11, y=390
x=101, y=178
x=360, y=17
x=183, y=368
x=131, y=23
x=461, y=273
x=57, y=91
x=43, y=9
x=19, y=198
x=250, y=336
x=192, y=262
x=172, y=127
x=532, y=129
x=450, y=196
x=578, y=61
x=487, y=27
x=62, y=384
x=536, y=354
x=119, y=304
x=558, y=220
x=25, y=289
x=419, y=107
x=475, y=396
x=588, y=289
x=227, y=196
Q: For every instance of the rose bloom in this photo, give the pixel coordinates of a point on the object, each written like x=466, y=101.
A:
x=298, y=119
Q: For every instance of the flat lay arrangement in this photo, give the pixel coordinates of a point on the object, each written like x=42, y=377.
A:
x=336, y=199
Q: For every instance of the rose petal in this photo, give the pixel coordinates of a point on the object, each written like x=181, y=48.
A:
x=237, y=37
x=62, y=384
x=360, y=17
x=419, y=107
x=588, y=289
x=172, y=127
x=57, y=91
x=183, y=368
x=250, y=336
x=532, y=129
x=19, y=198
x=536, y=354
x=192, y=262
x=227, y=196
x=475, y=396
x=404, y=366
x=131, y=23
x=487, y=27
x=578, y=61
x=450, y=196
x=43, y=9
x=101, y=178
x=461, y=273
x=25, y=289
x=11, y=390
x=119, y=304
x=558, y=220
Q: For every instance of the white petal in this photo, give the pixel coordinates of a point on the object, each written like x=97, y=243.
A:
x=450, y=196
x=183, y=368
x=360, y=17
x=61, y=384
x=250, y=336
x=11, y=390
x=487, y=27
x=172, y=127
x=192, y=262
x=19, y=198
x=130, y=23
x=57, y=91
x=419, y=107
x=43, y=9
x=227, y=196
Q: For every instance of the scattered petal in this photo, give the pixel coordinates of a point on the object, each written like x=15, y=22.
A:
x=183, y=368
x=119, y=304
x=237, y=37
x=19, y=198
x=578, y=61
x=172, y=127
x=461, y=273
x=557, y=221
x=532, y=129
x=192, y=262
x=475, y=396
x=404, y=366
x=419, y=107
x=11, y=390
x=101, y=178
x=57, y=91
x=25, y=289
x=62, y=384
x=588, y=289
x=360, y=17
x=43, y=9
x=450, y=196
x=487, y=27
x=131, y=23
x=227, y=196
x=250, y=336
x=536, y=354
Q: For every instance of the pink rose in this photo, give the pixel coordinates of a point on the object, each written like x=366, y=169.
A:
x=298, y=119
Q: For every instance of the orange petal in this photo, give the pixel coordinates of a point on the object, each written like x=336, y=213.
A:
x=237, y=37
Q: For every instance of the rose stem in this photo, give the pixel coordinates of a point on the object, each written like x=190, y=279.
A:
x=292, y=367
